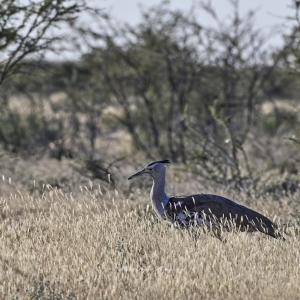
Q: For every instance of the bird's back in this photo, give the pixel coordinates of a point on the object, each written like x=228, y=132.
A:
x=217, y=210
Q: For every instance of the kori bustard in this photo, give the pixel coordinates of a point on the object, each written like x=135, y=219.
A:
x=207, y=210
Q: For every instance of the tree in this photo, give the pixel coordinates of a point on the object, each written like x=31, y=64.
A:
x=290, y=57
x=188, y=92
x=27, y=31
x=151, y=75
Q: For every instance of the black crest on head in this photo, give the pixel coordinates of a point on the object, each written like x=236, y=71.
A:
x=166, y=161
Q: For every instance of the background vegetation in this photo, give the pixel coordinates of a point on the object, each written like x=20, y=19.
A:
x=218, y=101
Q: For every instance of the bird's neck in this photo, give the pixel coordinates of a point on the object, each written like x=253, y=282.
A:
x=158, y=194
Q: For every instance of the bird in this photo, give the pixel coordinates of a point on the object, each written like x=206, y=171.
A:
x=206, y=210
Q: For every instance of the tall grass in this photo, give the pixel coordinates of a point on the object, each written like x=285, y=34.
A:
x=90, y=245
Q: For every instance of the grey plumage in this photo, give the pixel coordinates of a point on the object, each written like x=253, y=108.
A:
x=202, y=209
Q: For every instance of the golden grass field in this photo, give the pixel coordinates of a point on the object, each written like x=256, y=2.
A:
x=96, y=243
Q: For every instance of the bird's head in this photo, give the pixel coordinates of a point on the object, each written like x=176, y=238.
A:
x=154, y=169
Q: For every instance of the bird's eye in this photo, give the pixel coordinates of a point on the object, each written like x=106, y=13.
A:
x=150, y=169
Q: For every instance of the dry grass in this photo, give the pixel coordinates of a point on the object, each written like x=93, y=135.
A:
x=90, y=245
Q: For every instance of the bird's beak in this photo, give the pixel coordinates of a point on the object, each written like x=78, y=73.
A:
x=140, y=173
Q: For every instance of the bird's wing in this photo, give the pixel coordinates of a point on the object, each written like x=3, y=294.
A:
x=221, y=209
